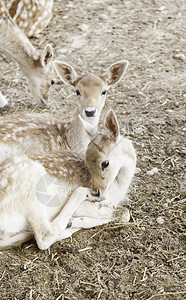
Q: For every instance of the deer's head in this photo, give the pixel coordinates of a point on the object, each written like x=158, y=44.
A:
x=91, y=89
x=42, y=76
x=104, y=156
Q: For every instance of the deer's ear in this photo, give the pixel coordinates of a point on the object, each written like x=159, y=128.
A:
x=47, y=55
x=65, y=72
x=116, y=71
x=112, y=125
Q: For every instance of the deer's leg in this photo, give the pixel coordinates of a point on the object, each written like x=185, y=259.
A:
x=91, y=214
x=86, y=222
x=67, y=233
x=78, y=196
x=42, y=230
x=44, y=233
x=15, y=240
x=47, y=233
x=95, y=210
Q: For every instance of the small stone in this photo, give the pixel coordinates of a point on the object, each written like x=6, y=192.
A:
x=138, y=130
x=177, y=104
x=160, y=220
x=152, y=172
x=103, y=17
x=165, y=205
x=125, y=218
x=170, y=111
x=110, y=8
x=173, y=144
x=162, y=7
x=165, y=101
x=179, y=56
x=138, y=170
x=151, y=263
x=184, y=129
x=76, y=283
x=83, y=27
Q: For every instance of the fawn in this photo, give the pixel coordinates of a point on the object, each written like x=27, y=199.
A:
x=38, y=68
x=69, y=204
x=37, y=133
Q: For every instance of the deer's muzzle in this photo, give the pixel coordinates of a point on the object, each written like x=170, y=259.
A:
x=95, y=192
x=90, y=112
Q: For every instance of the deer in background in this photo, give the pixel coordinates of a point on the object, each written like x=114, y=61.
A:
x=38, y=68
x=32, y=16
x=37, y=133
x=104, y=176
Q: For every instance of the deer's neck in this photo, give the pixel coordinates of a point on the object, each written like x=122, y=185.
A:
x=16, y=45
x=118, y=189
x=77, y=137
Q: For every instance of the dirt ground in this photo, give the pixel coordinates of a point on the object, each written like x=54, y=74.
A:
x=143, y=259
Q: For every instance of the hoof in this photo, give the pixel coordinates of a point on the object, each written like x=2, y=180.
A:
x=69, y=224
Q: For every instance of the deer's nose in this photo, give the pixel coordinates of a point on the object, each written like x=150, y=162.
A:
x=90, y=112
x=95, y=192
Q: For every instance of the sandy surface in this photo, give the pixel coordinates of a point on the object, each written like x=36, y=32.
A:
x=143, y=259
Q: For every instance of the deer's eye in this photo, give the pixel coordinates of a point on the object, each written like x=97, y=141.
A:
x=78, y=93
x=104, y=164
x=104, y=92
x=52, y=82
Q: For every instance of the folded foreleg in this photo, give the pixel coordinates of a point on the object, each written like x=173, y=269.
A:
x=90, y=214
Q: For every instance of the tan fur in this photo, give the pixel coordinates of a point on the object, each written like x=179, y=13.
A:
x=37, y=68
x=21, y=211
x=39, y=134
x=71, y=167
x=31, y=16
x=34, y=133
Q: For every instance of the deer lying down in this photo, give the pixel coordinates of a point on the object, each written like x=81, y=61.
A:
x=38, y=68
x=69, y=204
x=37, y=133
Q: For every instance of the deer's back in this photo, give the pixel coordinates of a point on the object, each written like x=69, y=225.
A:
x=33, y=133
